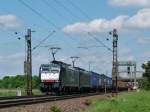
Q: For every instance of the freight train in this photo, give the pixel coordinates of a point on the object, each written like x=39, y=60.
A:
x=59, y=77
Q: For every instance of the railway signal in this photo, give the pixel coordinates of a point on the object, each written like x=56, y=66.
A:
x=128, y=69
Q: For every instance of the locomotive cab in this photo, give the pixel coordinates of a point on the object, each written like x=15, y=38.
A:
x=49, y=75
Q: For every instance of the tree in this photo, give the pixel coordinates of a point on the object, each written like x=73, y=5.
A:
x=10, y=82
x=146, y=67
x=146, y=75
x=35, y=82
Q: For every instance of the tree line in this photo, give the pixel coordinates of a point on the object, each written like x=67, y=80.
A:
x=18, y=81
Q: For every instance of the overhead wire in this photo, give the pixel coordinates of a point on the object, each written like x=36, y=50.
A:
x=53, y=8
x=87, y=47
x=47, y=3
x=49, y=21
x=37, y=13
x=100, y=42
x=85, y=15
x=67, y=9
x=45, y=19
x=42, y=41
x=89, y=18
x=78, y=8
x=75, y=6
x=58, y=28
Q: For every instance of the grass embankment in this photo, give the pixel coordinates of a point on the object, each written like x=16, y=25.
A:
x=128, y=102
x=13, y=92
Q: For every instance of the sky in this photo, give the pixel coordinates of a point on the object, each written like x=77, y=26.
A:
x=76, y=24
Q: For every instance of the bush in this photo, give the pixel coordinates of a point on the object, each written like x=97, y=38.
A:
x=55, y=109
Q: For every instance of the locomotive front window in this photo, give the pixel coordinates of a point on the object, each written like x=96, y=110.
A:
x=54, y=71
x=45, y=69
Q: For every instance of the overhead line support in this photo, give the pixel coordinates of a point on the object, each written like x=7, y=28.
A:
x=115, y=62
x=28, y=62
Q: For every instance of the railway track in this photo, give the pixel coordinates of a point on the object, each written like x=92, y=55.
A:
x=15, y=101
x=18, y=97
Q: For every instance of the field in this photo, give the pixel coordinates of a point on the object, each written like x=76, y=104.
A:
x=13, y=92
x=128, y=102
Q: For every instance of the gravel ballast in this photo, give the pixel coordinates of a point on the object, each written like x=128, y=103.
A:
x=69, y=105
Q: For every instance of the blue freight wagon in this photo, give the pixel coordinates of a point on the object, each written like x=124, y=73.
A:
x=95, y=81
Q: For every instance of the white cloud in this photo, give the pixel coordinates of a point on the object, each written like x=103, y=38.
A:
x=124, y=3
x=97, y=25
x=141, y=20
x=9, y=22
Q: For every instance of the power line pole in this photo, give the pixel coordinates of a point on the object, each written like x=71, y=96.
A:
x=115, y=61
x=54, y=50
x=28, y=62
x=74, y=58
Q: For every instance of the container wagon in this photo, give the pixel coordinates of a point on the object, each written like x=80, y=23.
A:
x=85, y=80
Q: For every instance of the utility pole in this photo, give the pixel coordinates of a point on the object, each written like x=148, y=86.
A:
x=54, y=50
x=28, y=62
x=74, y=58
x=115, y=62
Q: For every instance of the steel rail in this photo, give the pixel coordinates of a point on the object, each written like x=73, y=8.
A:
x=39, y=99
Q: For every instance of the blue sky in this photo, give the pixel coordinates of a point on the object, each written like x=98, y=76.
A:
x=131, y=18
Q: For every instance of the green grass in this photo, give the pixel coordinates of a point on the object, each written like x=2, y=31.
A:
x=13, y=92
x=129, y=102
x=55, y=109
